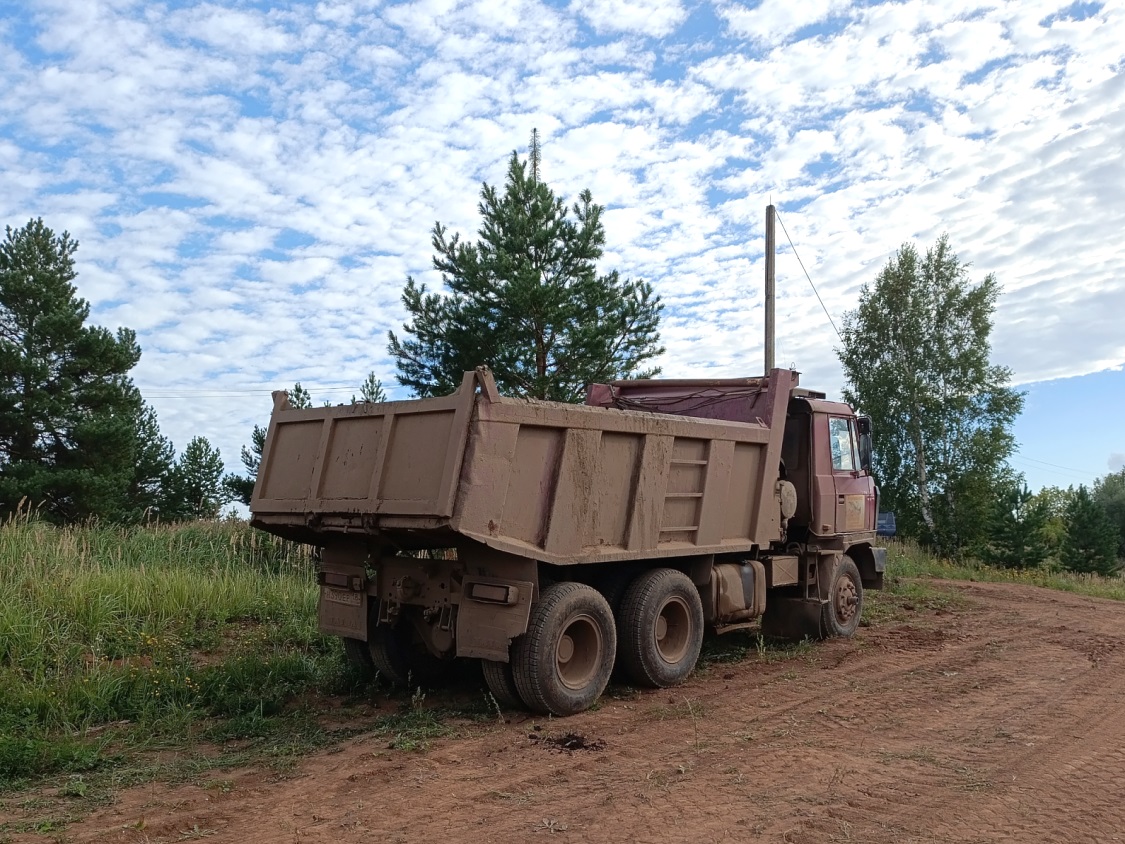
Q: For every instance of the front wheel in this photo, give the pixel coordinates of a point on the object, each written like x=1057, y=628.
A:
x=840, y=616
x=562, y=664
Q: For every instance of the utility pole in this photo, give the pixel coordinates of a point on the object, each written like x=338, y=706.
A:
x=771, y=249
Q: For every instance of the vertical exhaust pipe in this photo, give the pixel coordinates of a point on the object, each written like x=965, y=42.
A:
x=771, y=249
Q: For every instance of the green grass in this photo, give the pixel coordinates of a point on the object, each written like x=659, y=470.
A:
x=114, y=641
x=908, y=560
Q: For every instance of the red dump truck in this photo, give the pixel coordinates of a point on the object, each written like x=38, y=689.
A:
x=555, y=541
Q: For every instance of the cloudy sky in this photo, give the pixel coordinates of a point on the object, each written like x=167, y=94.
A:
x=251, y=183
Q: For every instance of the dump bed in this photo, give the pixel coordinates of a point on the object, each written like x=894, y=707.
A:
x=554, y=482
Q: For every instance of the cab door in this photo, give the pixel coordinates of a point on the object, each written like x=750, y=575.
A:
x=852, y=485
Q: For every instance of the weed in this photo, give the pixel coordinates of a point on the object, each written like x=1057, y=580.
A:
x=75, y=787
x=549, y=825
x=412, y=729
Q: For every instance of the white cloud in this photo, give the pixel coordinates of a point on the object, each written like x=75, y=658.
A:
x=646, y=17
x=773, y=21
x=1116, y=461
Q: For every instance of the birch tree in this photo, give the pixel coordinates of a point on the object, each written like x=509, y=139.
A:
x=916, y=356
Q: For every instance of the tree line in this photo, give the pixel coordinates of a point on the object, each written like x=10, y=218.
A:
x=77, y=440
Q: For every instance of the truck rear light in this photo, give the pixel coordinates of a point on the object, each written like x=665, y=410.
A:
x=492, y=594
x=342, y=581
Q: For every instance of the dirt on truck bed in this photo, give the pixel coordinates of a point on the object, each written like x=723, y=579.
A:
x=1000, y=719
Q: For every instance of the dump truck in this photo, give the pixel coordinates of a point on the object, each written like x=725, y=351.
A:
x=553, y=542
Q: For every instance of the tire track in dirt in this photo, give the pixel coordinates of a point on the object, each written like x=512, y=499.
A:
x=1001, y=721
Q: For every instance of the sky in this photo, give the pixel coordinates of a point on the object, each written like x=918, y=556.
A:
x=251, y=183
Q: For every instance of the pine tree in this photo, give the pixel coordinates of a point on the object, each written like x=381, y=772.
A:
x=71, y=422
x=1017, y=535
x=371, y=390
x=241, y=487
x=299, y=397
x=527, y=300
x=916, y=356
x=1091, y=538
x=195, y=488
x=154, y=460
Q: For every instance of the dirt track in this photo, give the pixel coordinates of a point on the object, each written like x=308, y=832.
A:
x=1001, y=721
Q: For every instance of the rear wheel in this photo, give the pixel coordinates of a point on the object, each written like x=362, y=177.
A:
x=840, y=615
x=501, y=683
x=358, y=655
x=661, y=628
x=398, y=655
x=562, y=664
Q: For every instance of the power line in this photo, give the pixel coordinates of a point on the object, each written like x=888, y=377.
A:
x=214, y=393
x=813, y=286
x=1056, y=465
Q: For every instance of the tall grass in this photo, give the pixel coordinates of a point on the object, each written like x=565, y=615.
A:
x=166, y=628
x=909, y=560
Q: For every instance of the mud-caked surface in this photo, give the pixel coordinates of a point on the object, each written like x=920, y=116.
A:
x=1000, y=720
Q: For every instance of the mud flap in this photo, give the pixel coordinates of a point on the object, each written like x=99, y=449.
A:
x=871, y=562
x=492, y=612
x=792, y=618
x=343, y=612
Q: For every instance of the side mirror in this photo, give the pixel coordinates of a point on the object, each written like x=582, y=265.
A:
x=863, y=425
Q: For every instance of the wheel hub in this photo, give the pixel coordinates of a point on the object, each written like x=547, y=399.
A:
x=578, y=652
x=847, y=599
x=566, y=649
x=672, y=630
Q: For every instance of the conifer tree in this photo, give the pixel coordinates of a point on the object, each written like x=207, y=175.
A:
x=195, y=489
x=72, y=424
x=1091, y=538
x=527, y=299
x=1017, y=537
x=1109, y=492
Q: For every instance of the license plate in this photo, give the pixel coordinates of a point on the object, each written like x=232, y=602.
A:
x=342, y=596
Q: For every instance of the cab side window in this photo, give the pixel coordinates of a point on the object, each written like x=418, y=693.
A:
x=840, y=442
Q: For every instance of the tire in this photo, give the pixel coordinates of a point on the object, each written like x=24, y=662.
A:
x=396, y=655
x=562, y=664
x=661, y=628
x=501, y=683
x=358, y=655
x=840, y=616
x=613, y=589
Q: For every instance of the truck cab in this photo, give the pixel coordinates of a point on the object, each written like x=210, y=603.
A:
x=826, y=455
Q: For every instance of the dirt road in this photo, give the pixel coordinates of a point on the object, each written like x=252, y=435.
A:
x=1000, y=720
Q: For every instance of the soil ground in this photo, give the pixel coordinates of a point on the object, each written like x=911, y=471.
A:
x=1002, y=719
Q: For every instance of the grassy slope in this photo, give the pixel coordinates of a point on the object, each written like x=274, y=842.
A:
x=186, y=632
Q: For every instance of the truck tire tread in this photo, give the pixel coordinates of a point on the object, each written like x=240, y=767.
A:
x=501, y=683
x=358, y=655
x=833, y=624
